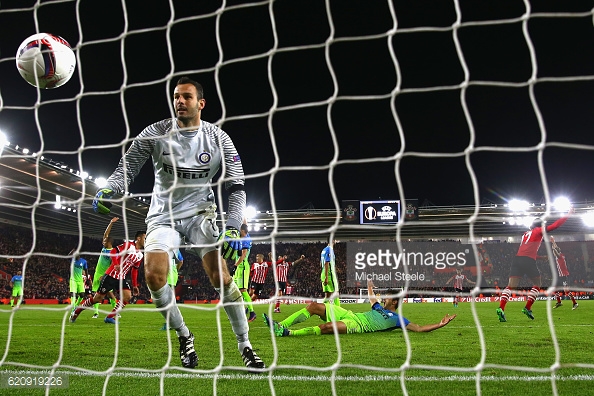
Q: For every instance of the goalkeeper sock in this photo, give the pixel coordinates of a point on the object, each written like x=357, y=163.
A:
x=113, y=302
x=12, y=302
x=235, y=313
x=307, y=331
x=163, y=298
x=300, y=316
x=96, y=306
x=248, y=300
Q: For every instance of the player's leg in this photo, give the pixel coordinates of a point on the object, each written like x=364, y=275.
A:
x=535, y=280
x=512, y=284
x=278, y=299
x=558, y=298
x=232, y=300
x=158, y=254
x=88, y=303
x=126, y=295
x=241, y=279
x=569, y=294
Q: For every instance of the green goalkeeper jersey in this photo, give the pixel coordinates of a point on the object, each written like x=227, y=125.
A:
x=380, y=319
x=103, y=262
x=78, y=266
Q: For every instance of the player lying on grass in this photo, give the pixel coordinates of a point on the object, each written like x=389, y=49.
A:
x=347, y=322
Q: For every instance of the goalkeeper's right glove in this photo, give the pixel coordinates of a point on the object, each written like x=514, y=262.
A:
x=231, y=244
x=99, y=205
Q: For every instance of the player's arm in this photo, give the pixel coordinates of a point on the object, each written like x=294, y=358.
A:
x=128, y=168
x=235, y=181
x=370, y=293
x=560, y=221
x=300, y=259
x=449, y=280
x=179, y=260
x=134, y=277
x=430, y=327
x=108, y=229
x=471, y=282
x=242, y=257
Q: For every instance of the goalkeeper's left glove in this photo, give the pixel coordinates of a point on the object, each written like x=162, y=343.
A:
x=231, y=244
x=99, y=205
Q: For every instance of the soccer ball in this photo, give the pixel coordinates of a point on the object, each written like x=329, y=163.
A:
x=45, y=60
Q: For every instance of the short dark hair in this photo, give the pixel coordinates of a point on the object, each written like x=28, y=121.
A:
x=188, y=80
x=139, y=233
x=243, y=227
x=536, y=223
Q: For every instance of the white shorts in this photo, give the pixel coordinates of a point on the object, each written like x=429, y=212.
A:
x=199, y=231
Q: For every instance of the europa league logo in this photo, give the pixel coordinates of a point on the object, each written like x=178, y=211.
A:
x=370, y=213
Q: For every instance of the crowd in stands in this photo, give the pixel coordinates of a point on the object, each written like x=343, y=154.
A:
x=46, y=266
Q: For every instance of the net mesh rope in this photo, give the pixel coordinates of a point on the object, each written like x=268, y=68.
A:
x=328, y=104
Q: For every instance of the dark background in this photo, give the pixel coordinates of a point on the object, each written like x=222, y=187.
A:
x=343, y=100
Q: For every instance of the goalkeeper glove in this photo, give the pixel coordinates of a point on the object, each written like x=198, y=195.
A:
x=99, y=205
x=231, y=244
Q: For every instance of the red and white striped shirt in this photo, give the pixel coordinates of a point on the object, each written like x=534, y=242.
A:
x=124, y=258
x=282, y=269
x=562, y=265
x=459, y=281
x=259, y=271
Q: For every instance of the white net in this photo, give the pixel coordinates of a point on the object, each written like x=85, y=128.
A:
x=458, y=102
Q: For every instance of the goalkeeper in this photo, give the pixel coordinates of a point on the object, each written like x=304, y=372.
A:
x=346, y=322
x=186, y=153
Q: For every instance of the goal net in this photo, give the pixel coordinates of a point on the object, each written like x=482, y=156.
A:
x=454, y=103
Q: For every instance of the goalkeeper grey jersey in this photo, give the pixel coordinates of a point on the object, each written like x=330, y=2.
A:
x=184, y=162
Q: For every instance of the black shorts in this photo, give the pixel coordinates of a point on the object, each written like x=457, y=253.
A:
x=522, y=265
x=458, y=290
x=258, y=287
x=282, y=286
x=562, y=282
x=109, y=283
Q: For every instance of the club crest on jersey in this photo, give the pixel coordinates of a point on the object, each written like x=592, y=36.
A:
x=236, y=158
x=204, y=158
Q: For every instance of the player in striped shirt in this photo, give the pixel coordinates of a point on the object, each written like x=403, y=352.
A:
x=126, y=257
x=187, y=154
x=16, y=282
x=459, y=279
x=282, y=270
x=525, y=264
x=258, y=272
x=341, y=321
x=563, y=278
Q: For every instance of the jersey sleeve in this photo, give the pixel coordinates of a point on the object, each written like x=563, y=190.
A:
x=131, y=163
x=233, y=173
x=557, y=224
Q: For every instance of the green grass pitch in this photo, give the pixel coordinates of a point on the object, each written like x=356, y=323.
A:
x=140, y=360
